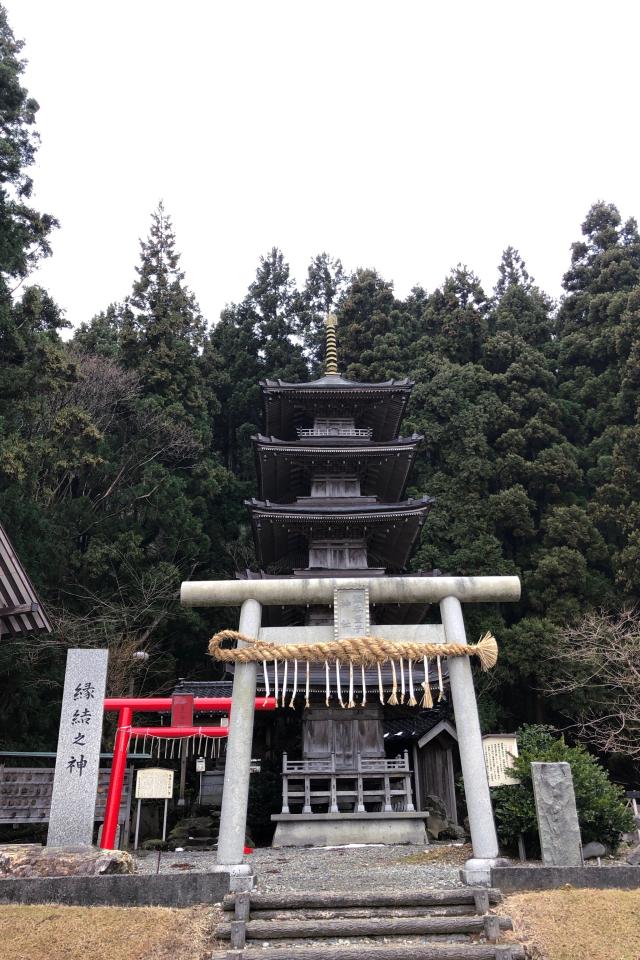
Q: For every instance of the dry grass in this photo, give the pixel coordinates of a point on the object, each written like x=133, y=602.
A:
x=105, y=933
x=567, y=924
x=447, y=853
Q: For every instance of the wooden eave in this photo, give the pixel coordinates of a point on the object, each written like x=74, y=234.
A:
x=21, y=611
x=377, y=406
x=285, y=469
x=282, y=532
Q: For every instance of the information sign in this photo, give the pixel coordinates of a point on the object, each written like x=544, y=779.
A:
x=154, y=783
x=500, y=750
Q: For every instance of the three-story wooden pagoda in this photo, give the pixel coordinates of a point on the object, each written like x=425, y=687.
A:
x=332, y=474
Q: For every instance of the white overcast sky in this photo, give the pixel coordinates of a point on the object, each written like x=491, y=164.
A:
x=405, y=136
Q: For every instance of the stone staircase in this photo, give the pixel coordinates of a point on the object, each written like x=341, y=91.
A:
x=454, y=924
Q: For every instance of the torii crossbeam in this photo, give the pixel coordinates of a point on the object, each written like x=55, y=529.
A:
x=449, y=592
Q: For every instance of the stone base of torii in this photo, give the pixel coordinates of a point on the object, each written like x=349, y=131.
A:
x=450, y=593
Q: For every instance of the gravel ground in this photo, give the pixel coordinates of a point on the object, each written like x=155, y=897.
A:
x=324, y=868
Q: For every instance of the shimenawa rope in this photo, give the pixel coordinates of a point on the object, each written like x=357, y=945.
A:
x=365, y=651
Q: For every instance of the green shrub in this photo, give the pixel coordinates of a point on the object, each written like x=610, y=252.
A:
x=600, y=803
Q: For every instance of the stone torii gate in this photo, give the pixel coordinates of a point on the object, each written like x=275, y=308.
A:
x=449, y=592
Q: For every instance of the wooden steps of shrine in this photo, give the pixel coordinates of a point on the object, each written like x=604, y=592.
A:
x=449, y=924
x=319, y=900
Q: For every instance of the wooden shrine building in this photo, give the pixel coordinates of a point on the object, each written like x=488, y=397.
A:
x=332, y=473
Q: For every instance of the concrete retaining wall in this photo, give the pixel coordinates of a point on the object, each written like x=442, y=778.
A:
x=133, y=890
x=515, y=879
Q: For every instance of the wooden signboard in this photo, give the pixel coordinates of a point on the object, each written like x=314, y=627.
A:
x=500, y=750
x=154, y=783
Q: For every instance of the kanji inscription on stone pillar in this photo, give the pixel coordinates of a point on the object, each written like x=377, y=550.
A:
x=75, y=782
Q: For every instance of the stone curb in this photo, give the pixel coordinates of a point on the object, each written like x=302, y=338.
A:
x=132, y=890
x=515, y=879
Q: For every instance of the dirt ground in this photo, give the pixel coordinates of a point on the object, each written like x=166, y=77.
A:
x=567, y=924
x=106, y=933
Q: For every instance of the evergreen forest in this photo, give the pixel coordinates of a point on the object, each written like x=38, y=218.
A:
x=125, y=450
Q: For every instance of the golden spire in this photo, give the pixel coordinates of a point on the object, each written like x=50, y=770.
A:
x=331, y=360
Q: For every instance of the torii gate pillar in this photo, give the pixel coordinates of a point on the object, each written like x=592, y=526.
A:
x=235, y=792
x=448, y=592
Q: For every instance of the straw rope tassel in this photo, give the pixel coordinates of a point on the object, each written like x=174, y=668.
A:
x=340, y=700
x=440, y=681
x=351, y=702
x=267, y=689
x=295, y=685
x=427, y=699
x=412, y=697
x=393, y=699
x=284, y=683
x=364, y=687
x=402, y=689
x=327, y=683
x=306, y=690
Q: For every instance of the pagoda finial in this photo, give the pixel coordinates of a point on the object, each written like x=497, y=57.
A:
x=331, y=359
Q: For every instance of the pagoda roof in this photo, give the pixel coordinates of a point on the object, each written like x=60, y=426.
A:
x=378, y=406
x=20, y=608
x=285, y=468
x=335, y=381
x=282, y=531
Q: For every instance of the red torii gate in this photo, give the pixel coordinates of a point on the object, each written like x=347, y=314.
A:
x=126, y=707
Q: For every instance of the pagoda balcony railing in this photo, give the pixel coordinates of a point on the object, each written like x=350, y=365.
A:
x=373, y=784
x=361, y=432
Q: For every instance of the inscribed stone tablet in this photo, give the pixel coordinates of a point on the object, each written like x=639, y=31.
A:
x=350, y=612
x=499, y=752
x=75, y=782
x=154, y=783
x=558, y=826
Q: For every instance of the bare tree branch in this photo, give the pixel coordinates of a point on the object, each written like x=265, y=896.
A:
x=599, y=657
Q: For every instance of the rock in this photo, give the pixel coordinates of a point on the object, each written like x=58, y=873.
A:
x=154, y=844
x=435, y=806
x=453, y=832
x=192, y=827
x=436, y=826
x=32, y=860
x=594, y=849
x=634, y=856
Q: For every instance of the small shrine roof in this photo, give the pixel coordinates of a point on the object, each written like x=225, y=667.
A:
x=20, y=608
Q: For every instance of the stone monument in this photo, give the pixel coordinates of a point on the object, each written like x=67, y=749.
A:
x=560, y=841
x=75, y=784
